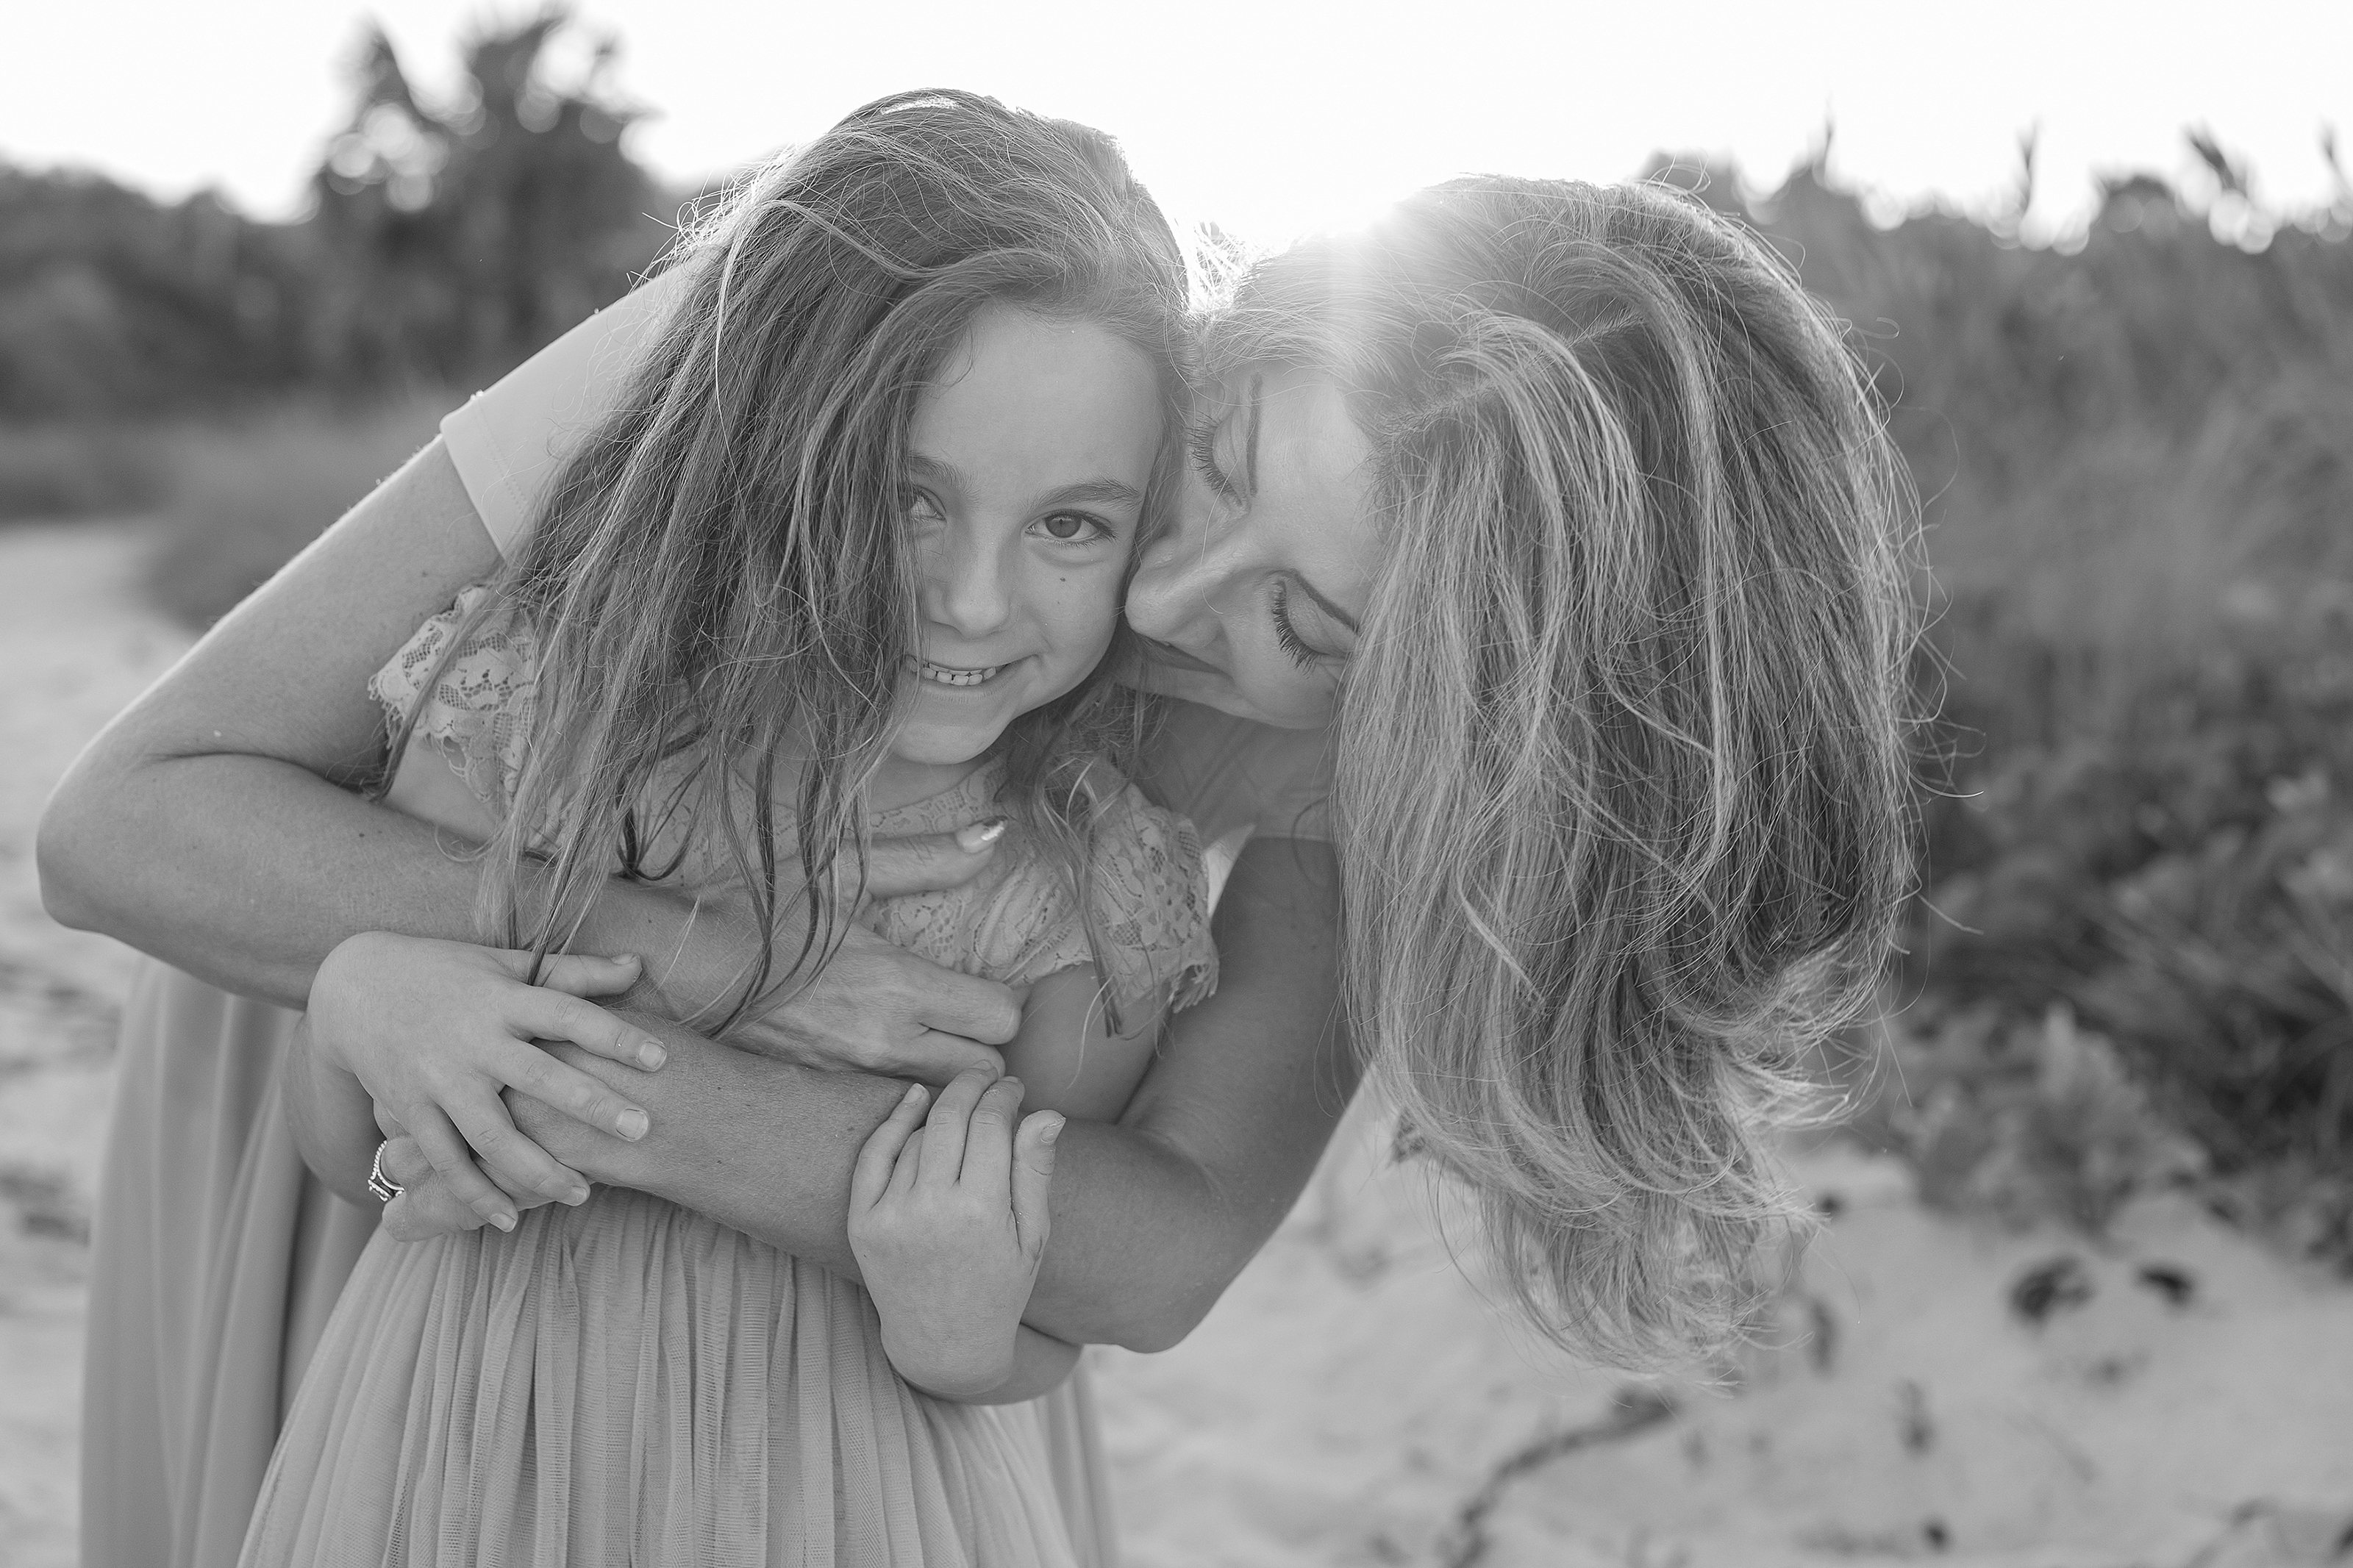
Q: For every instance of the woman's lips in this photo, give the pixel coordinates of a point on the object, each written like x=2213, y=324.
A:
x=1170, y=654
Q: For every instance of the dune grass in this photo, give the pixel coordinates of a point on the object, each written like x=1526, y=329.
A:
x=240, y=501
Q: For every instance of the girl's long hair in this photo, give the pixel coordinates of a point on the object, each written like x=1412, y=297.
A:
x=720, y=579
x=1623, y=782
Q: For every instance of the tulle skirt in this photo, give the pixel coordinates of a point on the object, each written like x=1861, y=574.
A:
x=628, y=1383
x=217, y=1262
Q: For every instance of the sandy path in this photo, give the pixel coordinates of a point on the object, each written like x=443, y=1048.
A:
x=75, y=645
x=1352, y=1396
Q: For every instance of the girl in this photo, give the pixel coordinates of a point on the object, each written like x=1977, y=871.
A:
x=847, y=561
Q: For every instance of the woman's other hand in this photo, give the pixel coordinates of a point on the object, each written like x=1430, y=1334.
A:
x=874, y=1008
x=436, y=1030
x=428, y=1203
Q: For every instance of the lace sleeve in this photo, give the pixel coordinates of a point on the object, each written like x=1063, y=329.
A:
x=477, y=714
x=1152, y=897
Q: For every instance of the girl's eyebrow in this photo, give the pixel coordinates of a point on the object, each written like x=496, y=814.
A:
x=1108, y=492
x=1101, y=491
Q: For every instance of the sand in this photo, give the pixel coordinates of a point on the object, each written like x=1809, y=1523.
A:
x=1352, y=1400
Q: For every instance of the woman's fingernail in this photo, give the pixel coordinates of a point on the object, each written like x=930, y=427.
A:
x=503, y=1221
x=576, y=1196
x=652, y=1055
x=975, y=837
x=914, y=1092
x=631, y=959
x=633, y=1124
x=1051, y=1130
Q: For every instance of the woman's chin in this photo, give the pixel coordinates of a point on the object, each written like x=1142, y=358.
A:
x=1216, y=688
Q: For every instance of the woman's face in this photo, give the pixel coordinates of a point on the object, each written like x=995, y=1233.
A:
x=1251, y=601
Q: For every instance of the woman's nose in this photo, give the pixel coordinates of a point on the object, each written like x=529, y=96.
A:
x=1177, y=578
x=965, y=584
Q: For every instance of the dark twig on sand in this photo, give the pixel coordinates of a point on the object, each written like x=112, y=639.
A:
x=1636, y=1410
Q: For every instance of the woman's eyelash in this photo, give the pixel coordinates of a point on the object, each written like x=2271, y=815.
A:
x=1202, y=441
x=1286, y=635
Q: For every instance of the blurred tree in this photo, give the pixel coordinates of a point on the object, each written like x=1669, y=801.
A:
x=455, y=239
x=113, y=304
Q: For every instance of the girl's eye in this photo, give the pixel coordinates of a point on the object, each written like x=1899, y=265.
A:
x=1072, y=528
x=922, y=508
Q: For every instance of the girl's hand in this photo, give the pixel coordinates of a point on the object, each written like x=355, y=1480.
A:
x=875, y=1008
x=435, y=1030
x=948, y=1225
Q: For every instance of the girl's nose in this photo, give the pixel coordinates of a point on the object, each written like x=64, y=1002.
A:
x=966, y=583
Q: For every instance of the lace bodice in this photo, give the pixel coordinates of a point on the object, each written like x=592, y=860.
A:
x=1019, y=921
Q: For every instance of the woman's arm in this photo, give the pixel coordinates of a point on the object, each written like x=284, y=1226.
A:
x=1152, y=1218
x=212, y=823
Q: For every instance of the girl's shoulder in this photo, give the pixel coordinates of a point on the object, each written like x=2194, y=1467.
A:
x=1142, y=907
x=469, y=678
x=1151, y=892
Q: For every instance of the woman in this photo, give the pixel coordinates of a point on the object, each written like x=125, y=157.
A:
x=1590, y=504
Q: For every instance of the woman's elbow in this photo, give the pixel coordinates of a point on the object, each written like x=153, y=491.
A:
x=65, y=848
x=1165, y=1323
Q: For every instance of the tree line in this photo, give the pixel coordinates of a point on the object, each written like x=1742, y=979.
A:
x=444, y=242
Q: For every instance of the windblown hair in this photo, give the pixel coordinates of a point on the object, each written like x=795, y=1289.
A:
x=722, y=588
x=1623, y=787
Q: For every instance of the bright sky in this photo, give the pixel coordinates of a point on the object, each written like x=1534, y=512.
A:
x=1273, y=116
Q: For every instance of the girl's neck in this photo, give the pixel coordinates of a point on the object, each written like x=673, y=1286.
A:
x=899, y=782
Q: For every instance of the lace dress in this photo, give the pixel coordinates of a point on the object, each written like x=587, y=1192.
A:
x=632, y=1382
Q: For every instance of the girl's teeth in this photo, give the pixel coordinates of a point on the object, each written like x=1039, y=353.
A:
x=947, y=676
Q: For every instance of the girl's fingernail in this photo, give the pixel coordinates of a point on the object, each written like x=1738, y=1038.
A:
x=631, y=959
x=914, y=1092
x=503, y=1221
x=633, y=1124
x=576, y=1196
x=1051, y=1130
x=653, y=1055
x=976, y=836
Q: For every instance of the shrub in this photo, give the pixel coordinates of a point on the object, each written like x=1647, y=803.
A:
x=242, y=499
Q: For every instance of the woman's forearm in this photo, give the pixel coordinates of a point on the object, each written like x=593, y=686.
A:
x=1152, y=1218
x=247, y=872
x=333, y=1119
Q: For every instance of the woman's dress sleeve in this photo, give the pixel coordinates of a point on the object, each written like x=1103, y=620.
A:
x=510, y=440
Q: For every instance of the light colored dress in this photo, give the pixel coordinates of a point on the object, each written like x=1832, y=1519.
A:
x=631, y=1383
x=217, y=1256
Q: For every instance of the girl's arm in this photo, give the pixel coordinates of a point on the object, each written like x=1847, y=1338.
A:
x=1151, y=1218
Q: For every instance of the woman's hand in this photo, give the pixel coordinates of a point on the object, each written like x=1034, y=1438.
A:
x=875, y=1008
x=427, y=1205
x=436, y=1030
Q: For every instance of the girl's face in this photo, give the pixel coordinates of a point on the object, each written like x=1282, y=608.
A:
x=1250, y=600
x=1027, y=469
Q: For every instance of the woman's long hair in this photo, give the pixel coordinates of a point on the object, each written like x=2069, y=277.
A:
x=720, y=579
x=1623, y=785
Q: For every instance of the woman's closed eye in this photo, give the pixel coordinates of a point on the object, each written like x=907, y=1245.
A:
x=1305, y=633
x=1201, y=442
